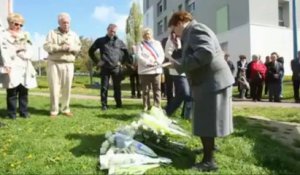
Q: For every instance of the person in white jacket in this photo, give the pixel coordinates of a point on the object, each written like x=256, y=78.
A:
x=150, y=55
x=17, y=56
x=182, y=88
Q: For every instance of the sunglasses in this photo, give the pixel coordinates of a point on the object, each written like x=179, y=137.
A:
x=17, y=24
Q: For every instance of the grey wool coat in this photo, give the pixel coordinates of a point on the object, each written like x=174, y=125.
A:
x=210, y=79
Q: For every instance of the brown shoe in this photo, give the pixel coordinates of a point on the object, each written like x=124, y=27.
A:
x=68, y=114
x=53, y=116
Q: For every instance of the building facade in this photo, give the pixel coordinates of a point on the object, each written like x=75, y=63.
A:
x=242, y=26
x=6, y=7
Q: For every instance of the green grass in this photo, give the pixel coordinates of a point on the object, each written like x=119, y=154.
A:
x=40, y=145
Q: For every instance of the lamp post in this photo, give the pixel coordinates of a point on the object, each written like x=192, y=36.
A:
x=295, y=30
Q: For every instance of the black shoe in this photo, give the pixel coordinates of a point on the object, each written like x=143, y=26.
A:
x=118, y=106
x=12, y=116
x=206, y=166
x=104, y=108
x=132, y=96
x=27, y=115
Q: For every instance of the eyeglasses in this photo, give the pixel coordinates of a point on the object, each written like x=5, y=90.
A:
x=17, y=24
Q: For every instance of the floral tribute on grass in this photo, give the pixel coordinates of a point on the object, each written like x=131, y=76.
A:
x=128, y=149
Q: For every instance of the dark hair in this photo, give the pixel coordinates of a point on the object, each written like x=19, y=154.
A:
x=182, y=16
x=242, y=56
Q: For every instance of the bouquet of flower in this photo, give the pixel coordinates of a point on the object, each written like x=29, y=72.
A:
x=131, y=145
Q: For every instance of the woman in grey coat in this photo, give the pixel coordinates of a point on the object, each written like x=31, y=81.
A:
x=211, y=83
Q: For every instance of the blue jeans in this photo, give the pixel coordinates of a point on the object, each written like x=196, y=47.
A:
x=182, y=94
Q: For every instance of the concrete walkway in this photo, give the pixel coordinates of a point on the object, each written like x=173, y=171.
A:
x=236, y=102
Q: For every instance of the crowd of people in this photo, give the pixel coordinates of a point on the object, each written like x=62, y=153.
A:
x=197, y=76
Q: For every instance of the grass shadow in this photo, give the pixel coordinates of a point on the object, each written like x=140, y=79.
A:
x=89, y=144
x=120, y=116
x=279, y=159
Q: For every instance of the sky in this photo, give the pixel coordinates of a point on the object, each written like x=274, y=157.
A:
x=89, y=18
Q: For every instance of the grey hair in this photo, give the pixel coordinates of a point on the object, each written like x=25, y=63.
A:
x=147, y=30
x=63, y=15
x=255, y=56
x=111, y=26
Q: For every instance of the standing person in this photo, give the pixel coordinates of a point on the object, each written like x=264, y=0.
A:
x=229, y=63
x=150, y=55
x=113, y=53
x=295, y=65
x=4, y=71
x=211, y=83
x=241, y=66
x=182, y=88
x=257, y=76
x=134, y=76
x=62, y=45
x=18, y=57
x=274, y=76
x=169, y=83
x=280, y=59
x=267, y=61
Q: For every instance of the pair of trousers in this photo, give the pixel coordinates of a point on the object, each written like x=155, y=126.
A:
x=182, y=94
x=274, y=91
x=296, y=85
x=135, y=84
x=20, y=94
x=116, y=78
x=148, y=81
x=60, y=78
x=256, y=89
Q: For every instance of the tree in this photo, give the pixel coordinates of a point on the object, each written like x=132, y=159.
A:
x=83, y=63
x=133, y=25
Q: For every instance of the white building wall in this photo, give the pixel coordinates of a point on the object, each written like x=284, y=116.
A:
x=265, y=40
x=238, y=40
x=4, y=12
x=149, y=18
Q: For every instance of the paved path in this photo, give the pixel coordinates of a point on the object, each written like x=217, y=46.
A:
x=236, y=102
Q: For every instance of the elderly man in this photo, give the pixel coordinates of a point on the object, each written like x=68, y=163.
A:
x=62, y=44
x=112, y=54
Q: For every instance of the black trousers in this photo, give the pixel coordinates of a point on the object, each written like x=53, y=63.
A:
x=296, y=84
x=135, y=84
x=20, y=94
x=116, y=75
x=256, y=89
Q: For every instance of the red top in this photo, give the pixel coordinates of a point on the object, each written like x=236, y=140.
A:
x=258, y=66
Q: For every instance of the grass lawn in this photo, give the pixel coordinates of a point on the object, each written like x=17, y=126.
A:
x=40, y=145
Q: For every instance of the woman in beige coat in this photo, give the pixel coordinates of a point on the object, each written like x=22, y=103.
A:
x=18, y=55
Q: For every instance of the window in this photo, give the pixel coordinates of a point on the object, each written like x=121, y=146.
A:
x=283, y=14
x=190, y=5
x=166, y=23
x=160, y=27
x=147, y=4
x=180, y=7
x=165, y=4
x=222, y=19
x=159, y=8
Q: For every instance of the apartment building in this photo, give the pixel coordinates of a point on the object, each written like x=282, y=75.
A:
x=242, y=26
x=6, y=6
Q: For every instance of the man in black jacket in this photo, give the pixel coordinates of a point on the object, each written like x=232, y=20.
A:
x=113, y=53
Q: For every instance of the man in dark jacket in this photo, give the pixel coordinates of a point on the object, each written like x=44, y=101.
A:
x=113, y=53
x=295, y=64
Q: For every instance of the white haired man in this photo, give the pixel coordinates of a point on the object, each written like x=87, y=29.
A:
x=62, y=44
